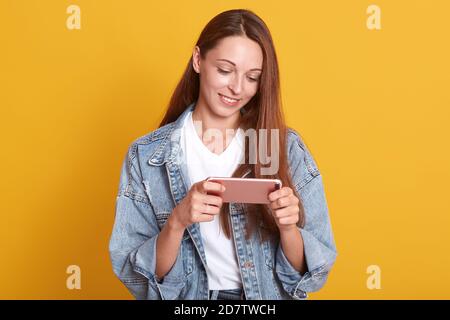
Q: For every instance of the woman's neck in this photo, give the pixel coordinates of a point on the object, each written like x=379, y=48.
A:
x=211, y=125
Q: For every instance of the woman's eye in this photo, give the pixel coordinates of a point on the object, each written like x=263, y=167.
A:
x=223, y=71
x=252, y=79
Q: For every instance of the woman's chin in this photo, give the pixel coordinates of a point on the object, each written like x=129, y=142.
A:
x=224, y=112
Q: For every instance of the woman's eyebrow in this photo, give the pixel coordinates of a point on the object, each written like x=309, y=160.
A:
x=226, y=60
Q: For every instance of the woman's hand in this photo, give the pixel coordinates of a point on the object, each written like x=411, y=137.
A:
x=285, y=209
x=198, y=206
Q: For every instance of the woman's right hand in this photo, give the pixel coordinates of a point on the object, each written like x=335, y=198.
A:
x=198, y=206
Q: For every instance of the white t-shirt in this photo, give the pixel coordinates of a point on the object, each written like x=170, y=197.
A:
x=222, y=265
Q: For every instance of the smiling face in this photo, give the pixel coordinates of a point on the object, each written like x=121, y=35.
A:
x=229, y=75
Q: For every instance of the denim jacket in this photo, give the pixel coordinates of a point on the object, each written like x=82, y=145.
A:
x=153, y=181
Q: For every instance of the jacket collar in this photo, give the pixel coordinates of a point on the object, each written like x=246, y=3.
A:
x=168, y=148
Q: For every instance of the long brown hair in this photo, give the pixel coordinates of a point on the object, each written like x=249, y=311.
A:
x=263, y=111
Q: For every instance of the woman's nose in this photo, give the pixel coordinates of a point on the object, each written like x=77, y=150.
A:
x=235, y=85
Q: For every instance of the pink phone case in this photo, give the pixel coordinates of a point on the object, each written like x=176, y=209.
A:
x=247, y=190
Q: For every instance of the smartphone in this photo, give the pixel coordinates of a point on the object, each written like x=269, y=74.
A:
x=246, y=190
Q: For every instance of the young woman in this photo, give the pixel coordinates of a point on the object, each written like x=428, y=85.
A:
x=174, y=239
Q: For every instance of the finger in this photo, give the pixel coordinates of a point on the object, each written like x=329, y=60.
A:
x=211, y=187
x=284, y=202
x=283, y=192
x=200, y=208
x=279, y=203
x=288, y=220
x=212, y=200
x=285, y=212
x=209, y=209
x=205, y=218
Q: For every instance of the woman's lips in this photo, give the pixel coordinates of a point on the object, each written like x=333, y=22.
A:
x=229, y=101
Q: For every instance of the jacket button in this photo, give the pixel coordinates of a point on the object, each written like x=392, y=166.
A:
x=248, y=264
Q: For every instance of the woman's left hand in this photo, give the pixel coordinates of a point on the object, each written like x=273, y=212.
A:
x=285, y=208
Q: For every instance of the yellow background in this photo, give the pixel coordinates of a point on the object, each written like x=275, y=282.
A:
x=372, y=105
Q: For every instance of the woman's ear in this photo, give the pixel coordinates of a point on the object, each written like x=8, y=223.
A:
x=196, y=59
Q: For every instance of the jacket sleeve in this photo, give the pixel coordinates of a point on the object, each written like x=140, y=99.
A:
x=319, y=245
x=132, y=245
